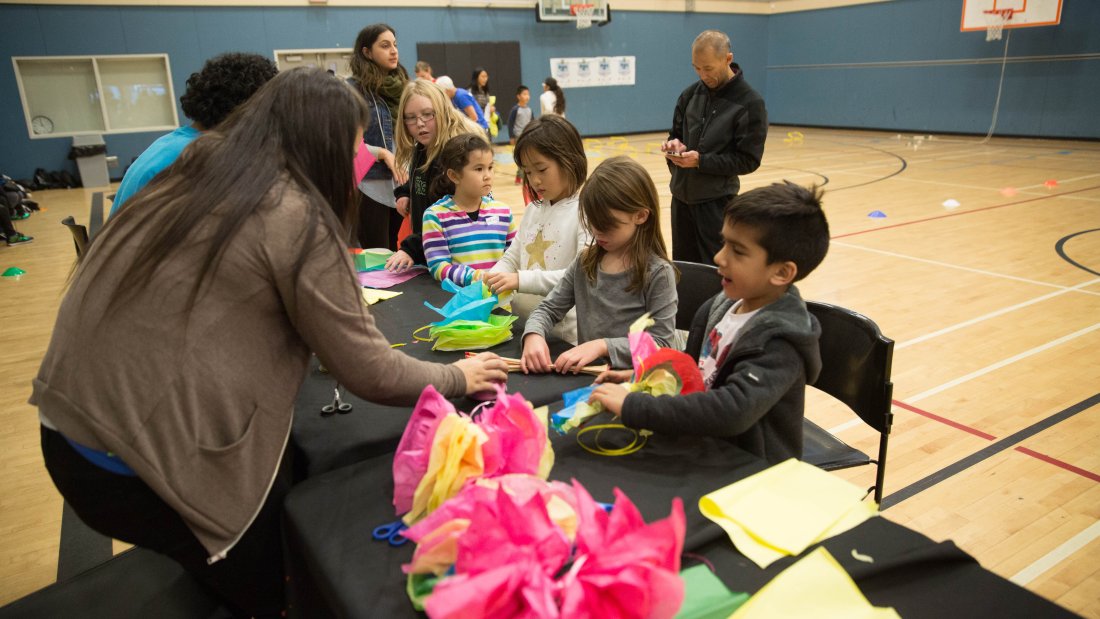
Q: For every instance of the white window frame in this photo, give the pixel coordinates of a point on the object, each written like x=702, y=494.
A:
x=99, y=91
x=281, y=54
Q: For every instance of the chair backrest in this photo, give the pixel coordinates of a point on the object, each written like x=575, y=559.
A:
x=80, y=234
x=698, y=282
x=855, y=363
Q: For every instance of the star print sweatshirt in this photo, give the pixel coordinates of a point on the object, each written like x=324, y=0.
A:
x=550, y=236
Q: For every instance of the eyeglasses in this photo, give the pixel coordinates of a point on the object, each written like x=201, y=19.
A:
x=425, y=117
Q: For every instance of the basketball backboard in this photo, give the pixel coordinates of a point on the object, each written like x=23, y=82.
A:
x=594, y=11
x=977, y=14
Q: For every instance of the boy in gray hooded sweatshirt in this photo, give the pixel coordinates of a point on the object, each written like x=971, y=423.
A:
x=756, y=343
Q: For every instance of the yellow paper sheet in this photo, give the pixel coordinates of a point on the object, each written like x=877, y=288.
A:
x=372, y=296
x=816, y=586
x=785, y=509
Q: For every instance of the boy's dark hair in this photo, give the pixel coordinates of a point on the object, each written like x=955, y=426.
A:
x=520, y=90
x=789, y=222
x=225, y=81
x=454, y=156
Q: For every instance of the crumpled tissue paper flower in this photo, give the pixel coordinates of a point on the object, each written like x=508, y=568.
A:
x=442, y=449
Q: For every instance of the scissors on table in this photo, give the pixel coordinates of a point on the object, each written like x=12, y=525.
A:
x=394, y=532
x=337, y=406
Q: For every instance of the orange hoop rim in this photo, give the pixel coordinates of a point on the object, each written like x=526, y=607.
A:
x=577, y=8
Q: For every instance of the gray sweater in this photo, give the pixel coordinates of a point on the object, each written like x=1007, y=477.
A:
x=606, y=310
x=758, y=397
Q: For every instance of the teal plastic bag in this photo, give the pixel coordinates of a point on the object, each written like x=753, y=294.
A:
x=473, y=302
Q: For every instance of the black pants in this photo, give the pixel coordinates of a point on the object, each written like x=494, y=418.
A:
x=697, y=229
x=378, y=224
x=249, y=581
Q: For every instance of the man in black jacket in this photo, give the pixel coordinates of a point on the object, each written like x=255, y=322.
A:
x=718, y=133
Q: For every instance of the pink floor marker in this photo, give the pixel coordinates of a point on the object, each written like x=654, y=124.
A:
x=1008, y=192
x=1051, y=184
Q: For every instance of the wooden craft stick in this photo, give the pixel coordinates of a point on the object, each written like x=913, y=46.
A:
x=514, y=366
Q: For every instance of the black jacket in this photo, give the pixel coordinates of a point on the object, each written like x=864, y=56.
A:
x=419, y=191
x=758, y=397
x=728, y=128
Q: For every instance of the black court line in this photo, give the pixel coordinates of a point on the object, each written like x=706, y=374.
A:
x=1008, y=442
x=81, y=547
x=1060, y=248
x=95, y=217
x=904, y=164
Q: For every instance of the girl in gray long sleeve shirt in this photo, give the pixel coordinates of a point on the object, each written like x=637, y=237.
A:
x=623, y=274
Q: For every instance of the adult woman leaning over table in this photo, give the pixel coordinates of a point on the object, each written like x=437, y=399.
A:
x=167, y=392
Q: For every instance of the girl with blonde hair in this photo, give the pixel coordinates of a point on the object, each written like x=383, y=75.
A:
x=426, y=121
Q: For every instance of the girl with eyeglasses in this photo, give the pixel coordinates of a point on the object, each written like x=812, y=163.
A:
x=427, y=122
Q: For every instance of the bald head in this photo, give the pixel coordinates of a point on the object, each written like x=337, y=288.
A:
x=711, y=58
x=717, y=43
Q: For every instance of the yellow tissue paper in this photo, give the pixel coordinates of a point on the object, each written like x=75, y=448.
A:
x=372, y=296
x=816, y=586
x=456, y=456
x=785, y=509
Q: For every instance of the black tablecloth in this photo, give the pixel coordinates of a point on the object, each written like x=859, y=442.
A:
x=337, y=569
x=326, y=443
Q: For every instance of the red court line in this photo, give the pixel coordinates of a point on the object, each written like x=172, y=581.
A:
x=944, y=420
x=1059, y=463
x=977, y=210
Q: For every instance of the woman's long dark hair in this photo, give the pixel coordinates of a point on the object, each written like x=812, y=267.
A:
x=559, y=103
x=369, y=75
x=297, y=133
x=474, y=87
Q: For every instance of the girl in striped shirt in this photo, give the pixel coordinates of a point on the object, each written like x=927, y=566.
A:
x=466, y=232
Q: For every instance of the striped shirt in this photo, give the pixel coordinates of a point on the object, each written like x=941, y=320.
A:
x=456, y=246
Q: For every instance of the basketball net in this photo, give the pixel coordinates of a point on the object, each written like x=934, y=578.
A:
x=995, y=21
x=584, y=13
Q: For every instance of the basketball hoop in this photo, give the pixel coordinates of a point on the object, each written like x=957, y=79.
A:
x=995, y=21
x=584, y=14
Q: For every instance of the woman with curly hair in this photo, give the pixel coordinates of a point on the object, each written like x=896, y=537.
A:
x=224, y=82
x=380, y=78
x=166, y=396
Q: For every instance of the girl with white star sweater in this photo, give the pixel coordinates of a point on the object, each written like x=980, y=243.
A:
x=550, y=236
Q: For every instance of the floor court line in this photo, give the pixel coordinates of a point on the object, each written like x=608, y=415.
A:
x=967, y=212
x=977, y=457
x=945, y=420
x=1027, y=575
x=884, y=252
x=924, y=395
x=1062, y=464
x=990, y=315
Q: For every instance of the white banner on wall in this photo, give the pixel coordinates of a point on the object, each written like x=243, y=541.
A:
x=598, y=71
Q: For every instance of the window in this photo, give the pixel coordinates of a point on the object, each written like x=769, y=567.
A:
x=336, y=61
x=77, y=95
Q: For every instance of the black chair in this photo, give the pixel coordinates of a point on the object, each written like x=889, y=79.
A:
x=698, y=282
x=80, y=234
x=856, y=361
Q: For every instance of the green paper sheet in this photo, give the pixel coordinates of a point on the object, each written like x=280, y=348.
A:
x=706, y=596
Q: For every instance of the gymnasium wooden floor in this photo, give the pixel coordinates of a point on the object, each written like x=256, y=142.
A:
x=994, y=303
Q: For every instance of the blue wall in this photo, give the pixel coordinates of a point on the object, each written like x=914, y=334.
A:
x=781, y=55
x=189, y=35
x=1052, y=98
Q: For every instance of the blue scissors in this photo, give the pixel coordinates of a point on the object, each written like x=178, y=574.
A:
x=394, y=532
